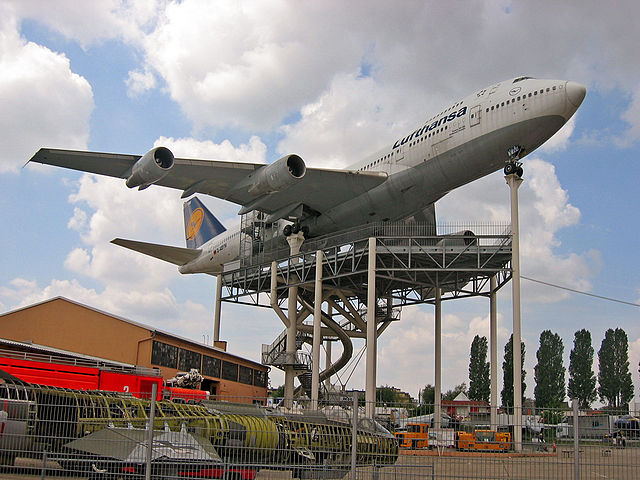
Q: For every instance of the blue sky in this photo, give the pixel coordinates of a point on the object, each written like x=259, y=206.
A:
x=251, y=81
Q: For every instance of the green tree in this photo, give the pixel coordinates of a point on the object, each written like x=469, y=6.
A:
x=386, y=395
x=507, y=374
x=455, y=391
x=582, y=380
x=479, y=386
x=278, y=392
x=549, y=372
x=429, y=395
x=614, y=378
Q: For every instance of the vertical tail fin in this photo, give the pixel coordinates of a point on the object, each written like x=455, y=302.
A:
x=200, y=225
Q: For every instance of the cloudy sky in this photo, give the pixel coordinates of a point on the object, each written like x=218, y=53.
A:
x=331, y=81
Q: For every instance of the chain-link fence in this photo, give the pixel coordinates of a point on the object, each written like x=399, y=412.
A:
x=48, y=431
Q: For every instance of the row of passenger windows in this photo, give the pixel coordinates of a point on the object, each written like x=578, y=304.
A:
x=411, y=144
x=493, y=107
x=521, y=97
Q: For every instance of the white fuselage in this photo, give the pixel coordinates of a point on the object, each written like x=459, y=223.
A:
x=465, y=141
x=221, y=249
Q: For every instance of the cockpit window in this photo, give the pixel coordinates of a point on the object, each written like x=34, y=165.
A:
x=519, y=79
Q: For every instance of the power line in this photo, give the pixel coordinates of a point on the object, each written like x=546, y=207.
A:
x=581, y=292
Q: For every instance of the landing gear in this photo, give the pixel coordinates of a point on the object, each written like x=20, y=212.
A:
x=513, y=165
x=295, y=228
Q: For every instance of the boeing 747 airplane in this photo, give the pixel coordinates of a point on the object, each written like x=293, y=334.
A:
x=490, y=129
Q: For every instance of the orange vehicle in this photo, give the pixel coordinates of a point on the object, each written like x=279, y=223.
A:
x=416, y=436
x=483, y=440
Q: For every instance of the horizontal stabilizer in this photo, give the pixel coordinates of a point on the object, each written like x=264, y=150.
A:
x=176, y=255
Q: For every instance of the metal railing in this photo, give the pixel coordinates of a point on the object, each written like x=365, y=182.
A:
x=47, y=431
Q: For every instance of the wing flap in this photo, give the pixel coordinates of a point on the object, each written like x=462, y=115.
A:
x=176, y=255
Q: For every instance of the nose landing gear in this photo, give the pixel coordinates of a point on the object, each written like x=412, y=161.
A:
x=514, y=165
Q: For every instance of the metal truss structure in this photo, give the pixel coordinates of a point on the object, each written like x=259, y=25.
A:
x=413, y=261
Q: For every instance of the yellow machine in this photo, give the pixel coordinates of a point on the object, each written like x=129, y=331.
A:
x=483, y=440
x=416, y=436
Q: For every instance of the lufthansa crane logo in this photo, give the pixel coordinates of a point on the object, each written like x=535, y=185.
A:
x=195, y=222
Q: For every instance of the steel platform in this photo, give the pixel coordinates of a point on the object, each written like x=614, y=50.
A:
x=412, y=261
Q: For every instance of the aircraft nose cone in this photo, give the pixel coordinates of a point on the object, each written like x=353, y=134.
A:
x=575, y=93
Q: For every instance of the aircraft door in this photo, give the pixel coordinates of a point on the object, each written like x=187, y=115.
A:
x=474, y=116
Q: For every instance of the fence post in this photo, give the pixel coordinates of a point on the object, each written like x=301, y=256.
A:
x=44, y=464
x=576, y=442
x=354, y=435
x=152, y=416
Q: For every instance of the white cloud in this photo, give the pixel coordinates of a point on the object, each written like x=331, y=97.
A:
x=157, y=307
x=93, y=22
x=632, y=117
x=127, y=283
x=42, y=101
x=406, y=350
x=139, y=82
x=354, y=117
x=544, y=210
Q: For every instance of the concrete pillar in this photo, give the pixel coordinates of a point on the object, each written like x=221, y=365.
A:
x=317, y=336
x=295, y=242
x=370, y=381
x=437, y=410
x=514, y=182
x=493, y=349
x=216, y=312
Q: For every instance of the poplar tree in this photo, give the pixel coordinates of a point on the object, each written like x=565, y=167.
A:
x=479, y=386
x=507, y=374
x=614, y=378
x=549, y=391
x=582, y=379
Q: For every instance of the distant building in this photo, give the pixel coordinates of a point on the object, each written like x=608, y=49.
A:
x=462, y=407
x=67, y=325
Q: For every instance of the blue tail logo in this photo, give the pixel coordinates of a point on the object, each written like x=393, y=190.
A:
x=200, y=225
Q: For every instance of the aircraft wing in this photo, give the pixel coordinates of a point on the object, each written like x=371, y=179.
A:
x=176, y=255
x=221, y=179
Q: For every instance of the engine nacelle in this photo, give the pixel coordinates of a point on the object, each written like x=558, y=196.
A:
x=458, y=239
x=277, y=175
x=151, y=167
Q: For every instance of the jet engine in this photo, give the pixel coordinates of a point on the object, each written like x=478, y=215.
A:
x=151, y=167
x=277, y=175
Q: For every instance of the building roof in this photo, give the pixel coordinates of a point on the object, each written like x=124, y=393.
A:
x=131, y=322
x=44, y=353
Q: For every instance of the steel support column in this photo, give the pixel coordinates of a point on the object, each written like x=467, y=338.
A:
x=218, y=305
x=514, y=182
x=493, y=348
x=317, y=336
x=295, y=242
x=370, y=382
x=437, y=416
